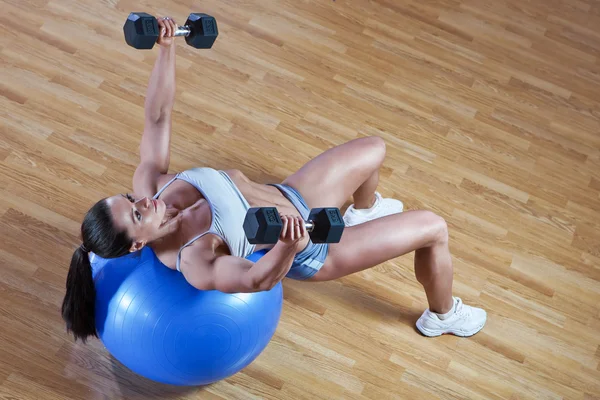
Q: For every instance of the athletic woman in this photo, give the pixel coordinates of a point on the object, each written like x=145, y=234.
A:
x=193, y=222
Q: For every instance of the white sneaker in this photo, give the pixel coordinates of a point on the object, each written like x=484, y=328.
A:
x=465, y=321
x=381, y=208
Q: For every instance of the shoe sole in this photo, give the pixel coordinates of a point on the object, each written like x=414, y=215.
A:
x=429, y=333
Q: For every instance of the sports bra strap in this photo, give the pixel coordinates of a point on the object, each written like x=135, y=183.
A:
x=165, y=186
x=186, y=245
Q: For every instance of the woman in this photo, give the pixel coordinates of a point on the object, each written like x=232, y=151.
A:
x=193, y=222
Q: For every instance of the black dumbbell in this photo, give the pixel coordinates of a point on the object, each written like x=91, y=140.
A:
x=263, y=225
x=142, y=31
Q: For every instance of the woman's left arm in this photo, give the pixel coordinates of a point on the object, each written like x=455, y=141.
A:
x=160, y=97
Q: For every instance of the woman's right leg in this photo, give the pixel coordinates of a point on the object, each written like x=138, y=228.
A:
x=371, y=243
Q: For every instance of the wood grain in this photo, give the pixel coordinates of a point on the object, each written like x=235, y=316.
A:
x=490, y=111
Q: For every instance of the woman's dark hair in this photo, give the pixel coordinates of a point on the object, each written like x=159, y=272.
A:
x=101, y=237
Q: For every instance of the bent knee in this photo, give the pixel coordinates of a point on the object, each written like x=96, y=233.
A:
x=436, y=226
x=373, y=148
x=377, y=145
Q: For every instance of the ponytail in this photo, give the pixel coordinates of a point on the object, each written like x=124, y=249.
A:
x=78, y=308
x=102, y=237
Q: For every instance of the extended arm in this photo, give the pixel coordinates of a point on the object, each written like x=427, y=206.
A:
x=160, y=97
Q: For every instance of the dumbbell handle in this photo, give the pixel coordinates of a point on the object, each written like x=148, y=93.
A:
x=182, y=31
x=309, y=226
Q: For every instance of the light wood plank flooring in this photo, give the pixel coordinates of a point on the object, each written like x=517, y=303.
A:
x=491, y=115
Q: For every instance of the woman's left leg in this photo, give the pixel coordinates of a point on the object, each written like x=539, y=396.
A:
x=350, y=169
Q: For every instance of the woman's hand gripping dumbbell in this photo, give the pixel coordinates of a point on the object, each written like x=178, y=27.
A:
x=264, y=225
x=142, y=30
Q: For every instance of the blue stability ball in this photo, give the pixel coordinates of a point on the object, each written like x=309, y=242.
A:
x=159, y=326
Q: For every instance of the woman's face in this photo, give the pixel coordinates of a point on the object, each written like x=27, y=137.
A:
x=141, y=218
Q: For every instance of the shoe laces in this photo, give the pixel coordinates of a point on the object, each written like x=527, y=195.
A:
x=460, y=309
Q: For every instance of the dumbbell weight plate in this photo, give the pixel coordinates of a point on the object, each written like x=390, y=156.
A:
x=141, y=30
x=204, y=30
x=262, y=225
x=328, y=225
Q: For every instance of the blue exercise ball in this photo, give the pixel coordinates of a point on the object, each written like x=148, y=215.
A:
x=159, y=326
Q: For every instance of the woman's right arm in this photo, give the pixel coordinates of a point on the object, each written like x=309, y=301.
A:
x=237, y=275
x=230, y=274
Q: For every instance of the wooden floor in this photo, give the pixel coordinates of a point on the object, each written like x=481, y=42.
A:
x=491, y=114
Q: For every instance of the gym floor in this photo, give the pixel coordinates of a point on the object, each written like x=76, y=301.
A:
x=491, y=115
